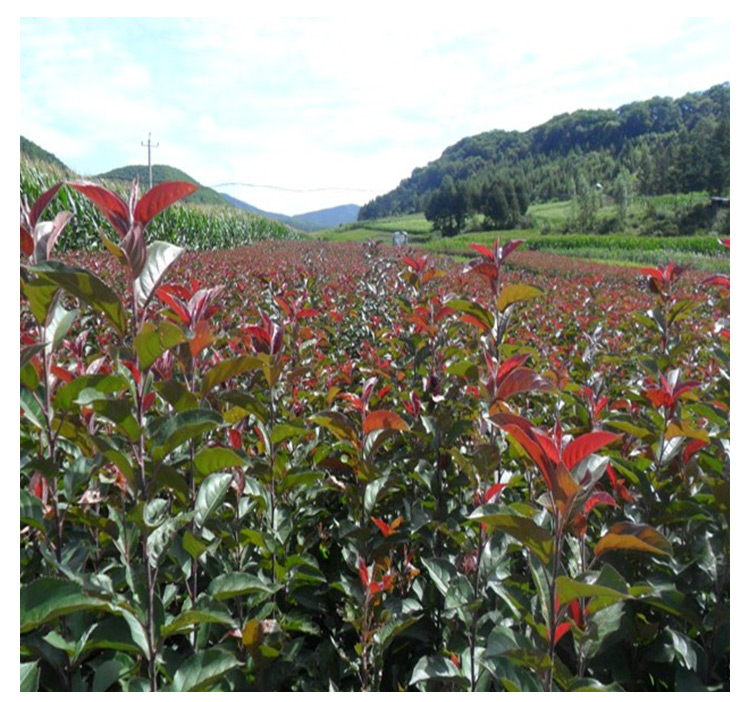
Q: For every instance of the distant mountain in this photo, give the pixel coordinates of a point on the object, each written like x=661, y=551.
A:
x=330, y=217
x=33, y=152
x=162, y=174
x=308, y=222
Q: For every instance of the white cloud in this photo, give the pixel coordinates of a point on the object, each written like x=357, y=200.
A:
x=357, y=102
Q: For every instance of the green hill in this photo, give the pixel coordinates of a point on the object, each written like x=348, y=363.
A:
x=162, y=174
x=653, y=147
x=32, y=152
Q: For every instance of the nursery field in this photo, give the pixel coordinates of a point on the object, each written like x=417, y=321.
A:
x=317, y=466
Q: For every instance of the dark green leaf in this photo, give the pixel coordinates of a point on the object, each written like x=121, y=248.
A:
x=179, y=428
x=31, y=511
x=86, y=287
x=229, y=368
x=434, y=667
x=46, y=599
x=537, y=539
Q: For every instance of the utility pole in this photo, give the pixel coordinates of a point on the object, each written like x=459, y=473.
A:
x=150, y=171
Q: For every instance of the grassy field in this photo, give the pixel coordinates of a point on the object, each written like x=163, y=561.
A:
x=630, y=245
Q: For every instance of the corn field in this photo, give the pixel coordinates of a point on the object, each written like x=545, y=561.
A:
x=197, y=228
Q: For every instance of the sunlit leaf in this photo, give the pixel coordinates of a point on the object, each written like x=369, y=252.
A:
x=633, y=537
x=511, y=294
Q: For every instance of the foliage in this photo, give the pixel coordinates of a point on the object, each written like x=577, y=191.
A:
x=318, y=467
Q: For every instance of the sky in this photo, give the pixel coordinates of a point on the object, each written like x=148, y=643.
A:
x=303, y=113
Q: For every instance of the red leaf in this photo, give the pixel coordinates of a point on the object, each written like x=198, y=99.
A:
x=364, y=576
x=383, y=419
x=509, y=247
x=235, y=439
x=148, y=400
x=493, y=490
x=380, y=524
x=203, y=337
x=585, y=445
x=110, y=204
x=41, y=204
x=692, y=448
x=560, y=631
x=599, y=498
x=160, y=197
x=65, y=375
x=522, y=380
x=483, y=250
x=27, y=242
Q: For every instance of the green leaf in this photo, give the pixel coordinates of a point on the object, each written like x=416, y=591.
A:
x=194, y=546
x=179, y=428
x=31, y=511
x=464, y=369
x=177, y=395
x=40, y=293
x=210, y=496
x=434, y=667
x=115, y=633
x=237, y=584
x=160, y=256
x=628, y=428
x=511, y=294
x=160, y=538
x=154, y=340
x=120, y=413
x=46, y=599
x=103, y=384
x=569, y=590
x=201, y=670
x=282, y=432
x=442, y=572
x=229, y=368
x=474, y=310
x=185, y=621
x=85, y=286
x=633, y=537
x=371, y=494
x=59, y=322
x=109, y=671
x=30, y=676
x=537, y=539
x=338, y=424
x=215, y=458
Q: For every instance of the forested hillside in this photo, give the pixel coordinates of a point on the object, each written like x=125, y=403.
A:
x=657, y=146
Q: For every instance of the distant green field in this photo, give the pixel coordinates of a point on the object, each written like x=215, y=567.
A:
x=548, y=219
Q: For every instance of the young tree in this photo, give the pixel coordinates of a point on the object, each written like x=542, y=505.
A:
x=447, y=207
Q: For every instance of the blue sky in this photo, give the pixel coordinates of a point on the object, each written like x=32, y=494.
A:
x=331, y=110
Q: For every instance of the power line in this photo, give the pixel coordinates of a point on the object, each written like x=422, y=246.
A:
x=295, y=190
